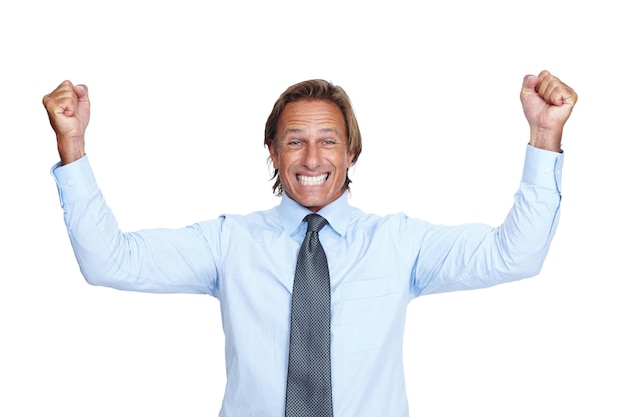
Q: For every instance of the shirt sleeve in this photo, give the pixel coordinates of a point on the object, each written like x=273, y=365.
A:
x=471, y=256
x=157, y=260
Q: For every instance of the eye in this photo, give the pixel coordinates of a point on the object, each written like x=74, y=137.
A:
x=329, y=142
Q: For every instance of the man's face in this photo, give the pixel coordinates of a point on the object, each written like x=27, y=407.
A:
x=310, y=152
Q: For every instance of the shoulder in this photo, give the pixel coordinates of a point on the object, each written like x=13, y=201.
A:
x=395, y=222
x=255, y=221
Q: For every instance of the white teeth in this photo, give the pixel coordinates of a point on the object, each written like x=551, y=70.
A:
x=304, y=180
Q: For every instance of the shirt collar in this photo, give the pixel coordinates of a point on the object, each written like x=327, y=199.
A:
x=336, y=213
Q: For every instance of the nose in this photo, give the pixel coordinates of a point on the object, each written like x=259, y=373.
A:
x=312, y=156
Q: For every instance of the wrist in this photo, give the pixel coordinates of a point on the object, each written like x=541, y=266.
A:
x=549, y=140
x=70, y=151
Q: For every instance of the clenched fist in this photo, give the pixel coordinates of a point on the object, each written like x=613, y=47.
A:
x=547, y=103
x=68, y=111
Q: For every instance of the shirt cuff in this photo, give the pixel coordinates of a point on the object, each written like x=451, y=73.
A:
x=543, y=168
x=75, y=181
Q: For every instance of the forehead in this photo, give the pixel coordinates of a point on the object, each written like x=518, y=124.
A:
x=310, y=113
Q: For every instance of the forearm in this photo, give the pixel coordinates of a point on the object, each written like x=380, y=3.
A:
x=477, y=256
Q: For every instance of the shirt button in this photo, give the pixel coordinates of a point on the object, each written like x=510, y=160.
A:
x=69, y=183
x=547, y=170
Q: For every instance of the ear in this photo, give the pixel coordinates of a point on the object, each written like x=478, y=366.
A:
x=273, y=154
x=350, y=157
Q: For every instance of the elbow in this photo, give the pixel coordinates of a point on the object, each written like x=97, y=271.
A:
x=526, y=266
x=532, y=269
x=103, y=276
x=94, y=277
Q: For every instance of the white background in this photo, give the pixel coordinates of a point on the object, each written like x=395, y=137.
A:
x=180, y=92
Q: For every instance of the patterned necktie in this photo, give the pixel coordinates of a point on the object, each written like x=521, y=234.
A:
x=309, y=392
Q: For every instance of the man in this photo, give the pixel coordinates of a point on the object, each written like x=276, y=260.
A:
x=373, y=265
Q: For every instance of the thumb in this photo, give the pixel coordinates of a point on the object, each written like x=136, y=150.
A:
x=82, y=93
x=529, y=85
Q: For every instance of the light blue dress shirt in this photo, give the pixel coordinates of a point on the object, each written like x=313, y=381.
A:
x=377, y=265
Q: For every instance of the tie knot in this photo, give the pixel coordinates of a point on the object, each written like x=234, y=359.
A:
x=315, y=221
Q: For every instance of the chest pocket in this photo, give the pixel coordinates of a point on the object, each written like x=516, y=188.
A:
x=369, y=315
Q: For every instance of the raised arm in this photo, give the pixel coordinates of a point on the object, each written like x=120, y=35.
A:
x=476, y=256
x=157, y=260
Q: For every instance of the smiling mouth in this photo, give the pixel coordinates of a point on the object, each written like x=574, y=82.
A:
x=306, y=180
